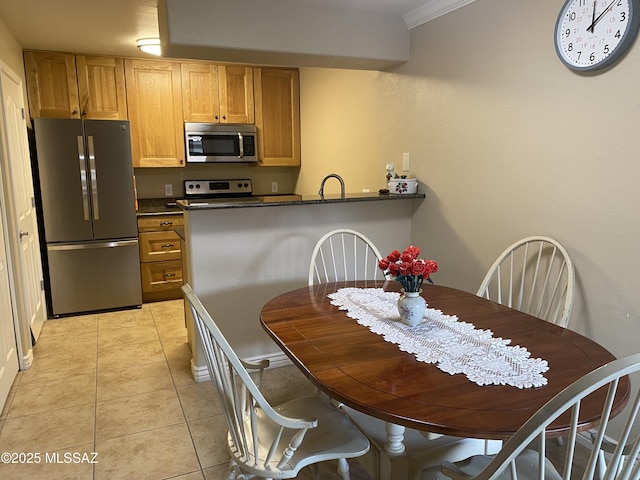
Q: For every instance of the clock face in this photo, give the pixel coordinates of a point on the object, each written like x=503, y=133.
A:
x=593, y=34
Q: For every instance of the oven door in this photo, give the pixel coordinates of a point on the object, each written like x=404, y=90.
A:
x=226, y=147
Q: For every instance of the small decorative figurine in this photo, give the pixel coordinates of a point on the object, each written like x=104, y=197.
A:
x=391, y=172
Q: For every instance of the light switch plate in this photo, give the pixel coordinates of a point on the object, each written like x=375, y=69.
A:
x=168, y=190
x=406, y=162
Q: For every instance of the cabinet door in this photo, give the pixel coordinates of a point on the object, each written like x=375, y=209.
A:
x=277, y=95
x=101, y=88
x=236, y=94
x=155, y=112
x=200, y=93
x=51, y=85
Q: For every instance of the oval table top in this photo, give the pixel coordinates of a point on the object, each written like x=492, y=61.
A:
x=359, y=368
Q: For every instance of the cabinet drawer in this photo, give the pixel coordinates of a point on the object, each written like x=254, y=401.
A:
x=159, y=246
x=152, y=223
x=160, y=276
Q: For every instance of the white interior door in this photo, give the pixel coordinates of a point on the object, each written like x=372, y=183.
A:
x=21, y=214
x=8, y=344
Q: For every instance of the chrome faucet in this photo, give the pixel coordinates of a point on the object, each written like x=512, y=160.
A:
x=332, y=175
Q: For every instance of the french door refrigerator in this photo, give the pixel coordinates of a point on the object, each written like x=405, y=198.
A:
x=86, y=203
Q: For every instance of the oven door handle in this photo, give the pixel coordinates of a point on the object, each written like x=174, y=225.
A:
x=241, y=144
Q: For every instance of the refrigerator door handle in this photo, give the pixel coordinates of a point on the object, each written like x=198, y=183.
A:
x=83, y=178
x=88, y=246
x=94, y=182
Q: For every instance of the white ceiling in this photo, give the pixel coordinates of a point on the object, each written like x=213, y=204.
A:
x=111, y=27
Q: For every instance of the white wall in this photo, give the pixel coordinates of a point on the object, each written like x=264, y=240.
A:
x=507, y=142
x=10, y=50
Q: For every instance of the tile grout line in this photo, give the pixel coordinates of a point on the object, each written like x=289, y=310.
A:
x=175, y=387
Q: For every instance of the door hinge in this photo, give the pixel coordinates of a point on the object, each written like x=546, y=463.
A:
x=22, y=110
x=33, y=202
x=42, y=285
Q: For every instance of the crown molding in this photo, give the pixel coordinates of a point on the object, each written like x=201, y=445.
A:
x=432, y=10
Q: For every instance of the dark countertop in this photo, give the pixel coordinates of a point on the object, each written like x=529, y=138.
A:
x=158, y=206
x=284, y=200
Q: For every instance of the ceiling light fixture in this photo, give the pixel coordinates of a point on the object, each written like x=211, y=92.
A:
x=149, y=45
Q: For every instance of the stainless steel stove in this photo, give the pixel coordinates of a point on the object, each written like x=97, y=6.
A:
x=226, y=188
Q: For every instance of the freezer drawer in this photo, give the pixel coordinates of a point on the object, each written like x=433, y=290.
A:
x=94, y=276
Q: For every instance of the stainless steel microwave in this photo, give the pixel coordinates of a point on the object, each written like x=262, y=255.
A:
x=216, y=143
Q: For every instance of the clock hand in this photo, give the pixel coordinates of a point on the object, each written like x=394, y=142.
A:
x=593, y=16
x=593, y=24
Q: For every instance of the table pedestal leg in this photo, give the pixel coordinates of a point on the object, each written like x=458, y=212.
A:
x=395, y=438
x=395, y=464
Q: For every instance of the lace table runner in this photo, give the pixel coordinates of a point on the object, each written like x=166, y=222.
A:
x=454, y=346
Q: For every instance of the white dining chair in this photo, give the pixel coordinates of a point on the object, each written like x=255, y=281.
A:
x=344, y=254
x=264, y=441
x=523, y=456
x=534, y=275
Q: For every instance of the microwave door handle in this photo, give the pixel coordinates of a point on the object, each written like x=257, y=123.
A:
x=83, y=178
x=94, y=180
x=241, y=142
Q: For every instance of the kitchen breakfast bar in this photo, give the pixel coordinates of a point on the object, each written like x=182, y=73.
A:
x=239, y=253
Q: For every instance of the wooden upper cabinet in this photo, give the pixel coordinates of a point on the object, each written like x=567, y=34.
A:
x=155, y=112
x=236, y=94
x=51, y=85
x=217, y=93
x=101, y=88
x=200, y=93
x=277, y=104
x=63, y=85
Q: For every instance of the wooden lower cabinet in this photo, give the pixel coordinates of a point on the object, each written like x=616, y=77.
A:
x=161, y=280
x=160, y=257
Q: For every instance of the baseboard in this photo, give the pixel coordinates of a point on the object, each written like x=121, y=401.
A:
x=26, y=361
x=276, y=360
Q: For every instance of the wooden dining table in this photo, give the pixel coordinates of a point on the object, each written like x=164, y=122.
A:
x=360, y=369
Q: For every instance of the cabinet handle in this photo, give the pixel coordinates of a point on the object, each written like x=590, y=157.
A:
x=168, y=275
x=167, y=245
x=164, y=224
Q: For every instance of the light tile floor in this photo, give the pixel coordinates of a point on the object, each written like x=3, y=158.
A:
x=119, y=384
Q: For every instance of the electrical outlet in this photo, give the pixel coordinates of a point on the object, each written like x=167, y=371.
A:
x=274, y=187
x=406, y=162
x=168, y=190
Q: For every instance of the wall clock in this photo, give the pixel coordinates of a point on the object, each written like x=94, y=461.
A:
x=594, y=34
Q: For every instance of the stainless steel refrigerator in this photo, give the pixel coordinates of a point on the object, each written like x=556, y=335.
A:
x=86, y=205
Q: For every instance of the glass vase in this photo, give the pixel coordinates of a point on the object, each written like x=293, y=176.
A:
x=411, y=307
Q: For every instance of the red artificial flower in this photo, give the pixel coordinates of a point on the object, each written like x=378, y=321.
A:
x=432, y=265
x=413, y=250
x=407, y=256
x=393, y=256
x=405, y=268
x=394, y=269
x=383, y=264
x=418, y=267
